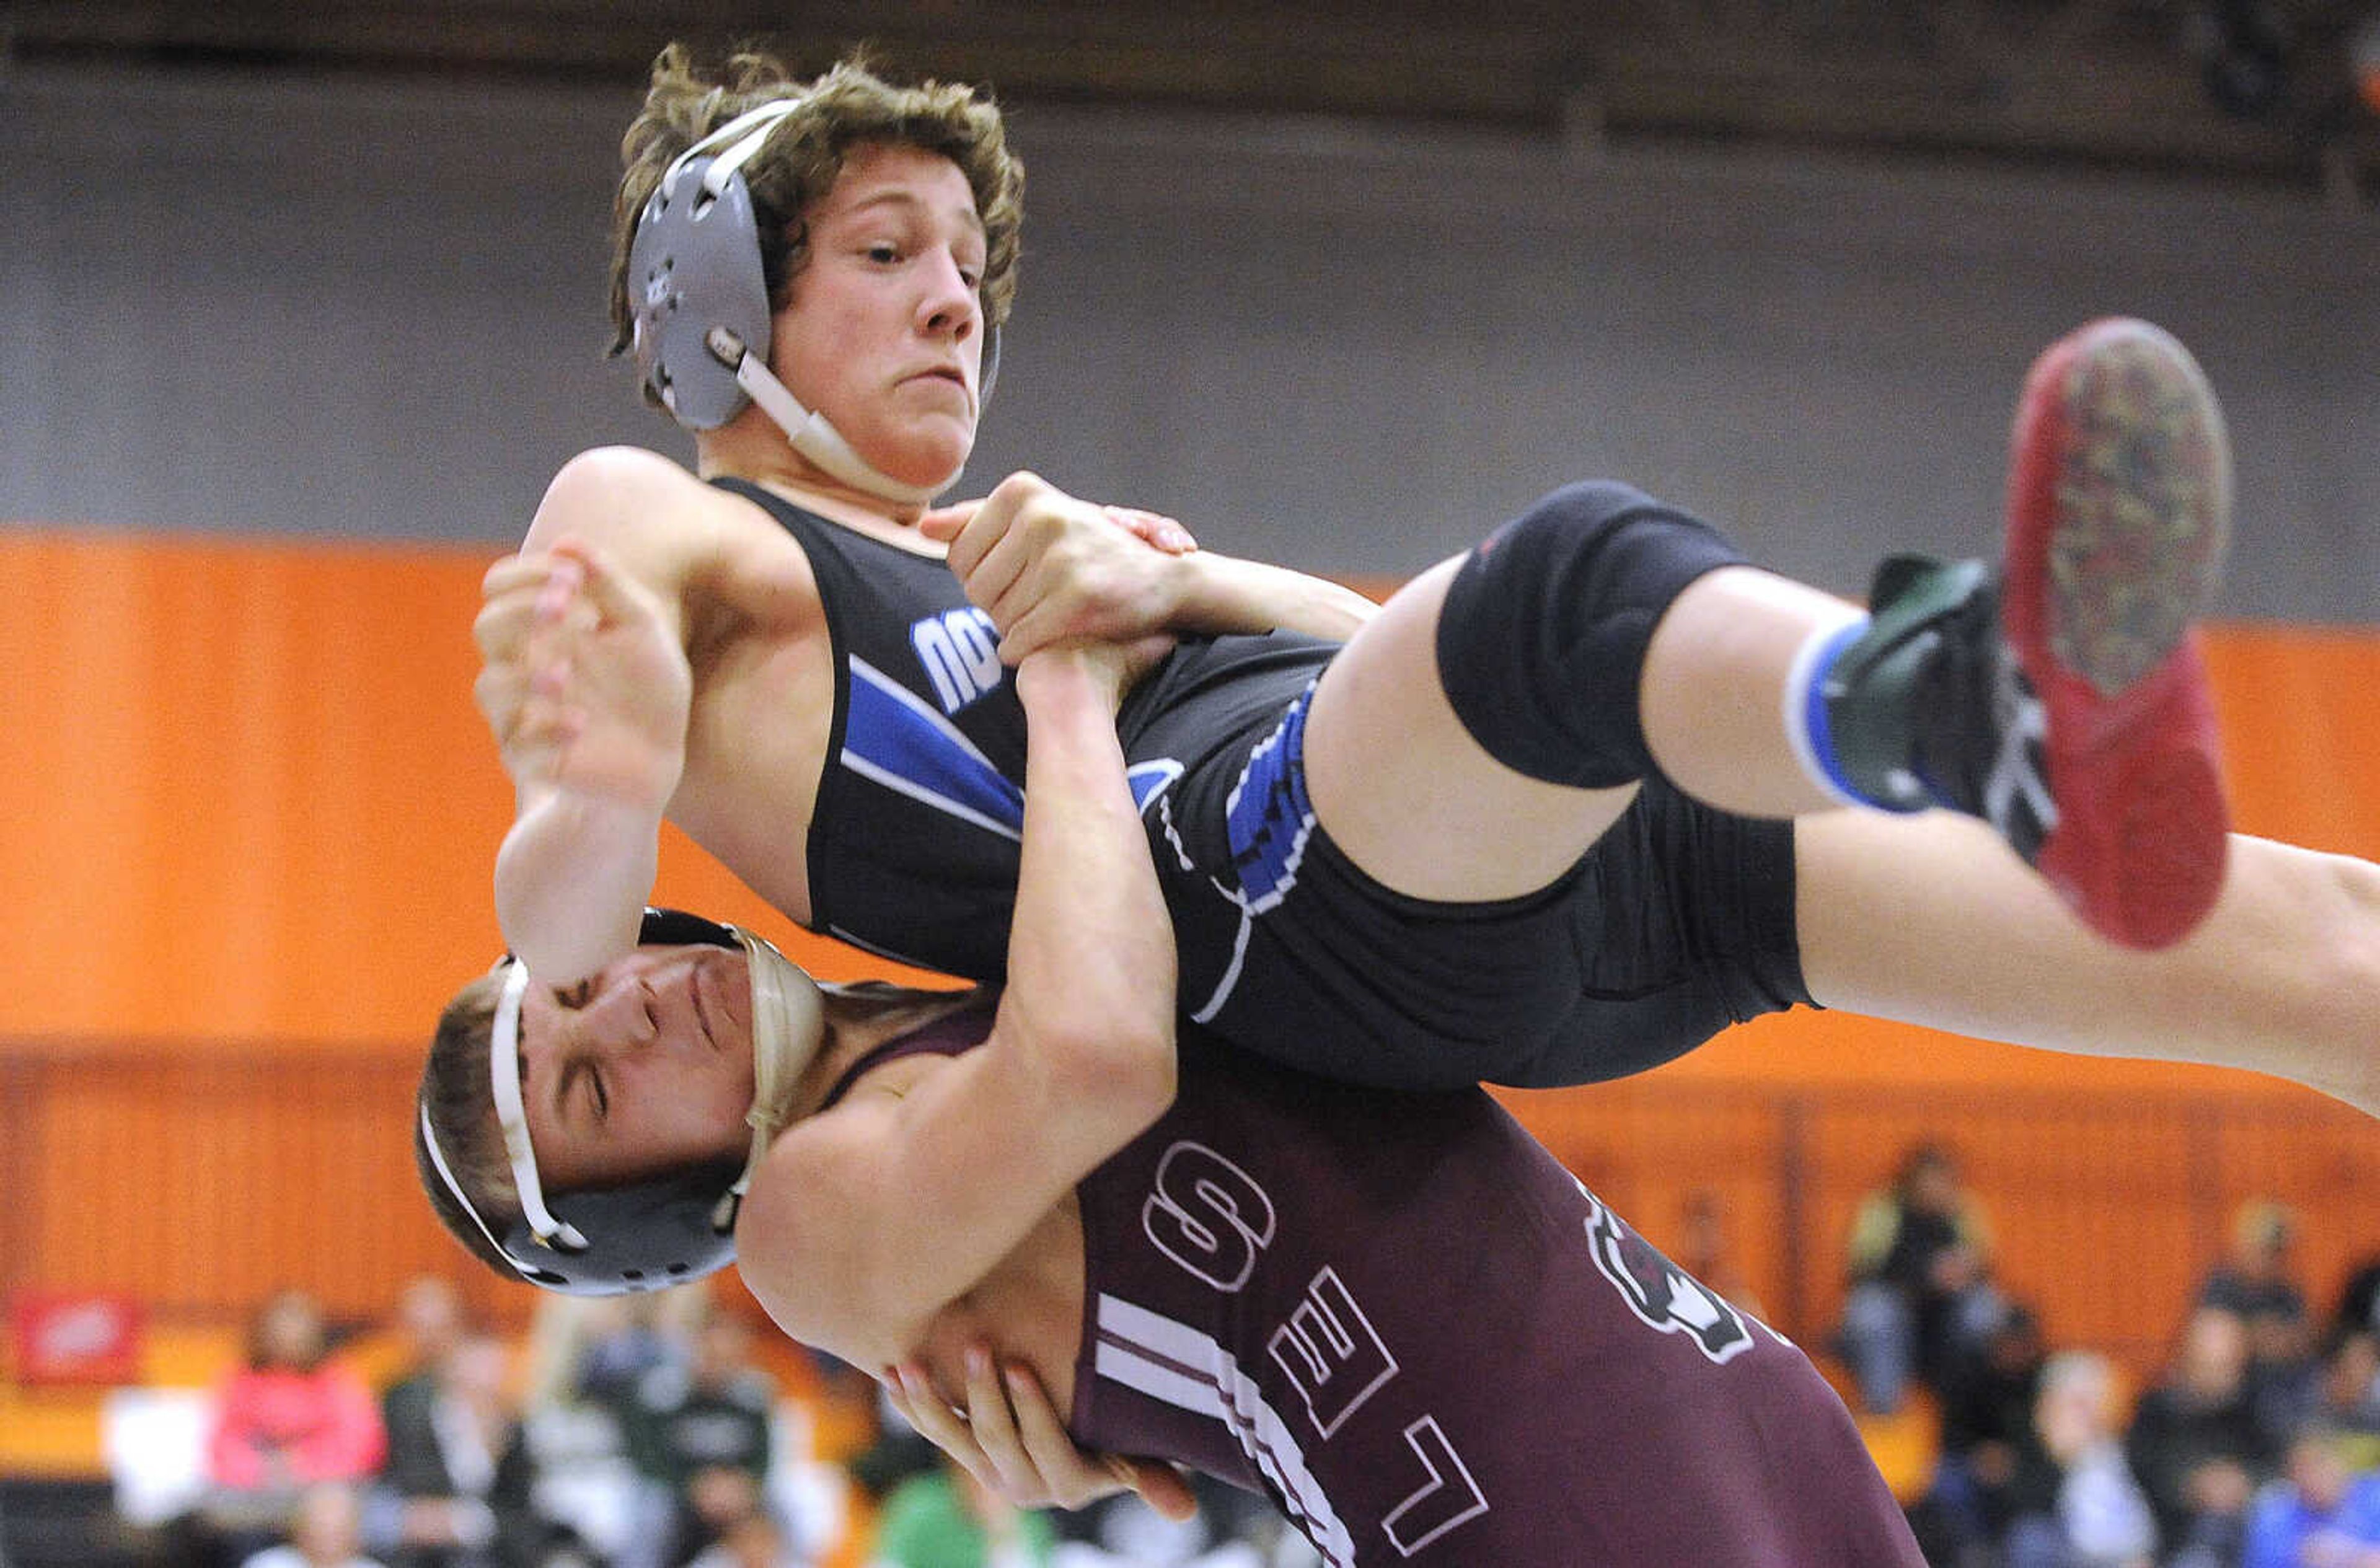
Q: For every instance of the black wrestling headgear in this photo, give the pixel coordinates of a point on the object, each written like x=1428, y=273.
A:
x=665, y=1230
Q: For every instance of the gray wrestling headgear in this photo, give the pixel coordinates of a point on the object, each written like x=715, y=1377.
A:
x=643, y=1235
x=701, y=300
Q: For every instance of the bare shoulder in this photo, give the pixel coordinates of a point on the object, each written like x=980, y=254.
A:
x=803, y=1236
x=611, y=495
x=675, y=531
x=866, y=1220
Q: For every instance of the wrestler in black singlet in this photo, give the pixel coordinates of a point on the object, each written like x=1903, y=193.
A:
x=1402, y=1319
x=1678, y=923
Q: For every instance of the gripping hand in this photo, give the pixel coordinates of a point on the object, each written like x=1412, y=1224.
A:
x=583, y=681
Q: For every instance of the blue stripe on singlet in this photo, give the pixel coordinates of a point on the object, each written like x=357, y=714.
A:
x=1148, y=780
x=891, y=736
x=1267, y=818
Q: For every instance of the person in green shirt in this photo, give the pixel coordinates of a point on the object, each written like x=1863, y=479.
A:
x=946, y=1518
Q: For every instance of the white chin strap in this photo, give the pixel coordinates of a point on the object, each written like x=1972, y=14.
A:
x=503, y=1075
x=812, y=436
x=788, y=1026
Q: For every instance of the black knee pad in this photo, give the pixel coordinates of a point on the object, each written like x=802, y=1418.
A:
x=1541, y=642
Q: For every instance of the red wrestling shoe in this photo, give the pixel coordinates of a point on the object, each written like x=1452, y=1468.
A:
x=2120, y=507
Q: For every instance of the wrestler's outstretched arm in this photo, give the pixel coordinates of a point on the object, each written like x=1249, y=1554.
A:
x=587, y=690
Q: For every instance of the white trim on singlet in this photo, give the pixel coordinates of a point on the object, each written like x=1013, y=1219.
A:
x=947, y=735
x=1231, y=980
x=921, y=794
x=1177, y=1365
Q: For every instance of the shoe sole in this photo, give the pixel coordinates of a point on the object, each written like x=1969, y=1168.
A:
x=2120, y=506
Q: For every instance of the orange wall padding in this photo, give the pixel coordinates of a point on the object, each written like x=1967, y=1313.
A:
x=247, y=795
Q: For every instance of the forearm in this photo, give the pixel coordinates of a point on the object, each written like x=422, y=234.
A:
x=1220, y=594
x=865, y=1222
x=1090, y=956
x=571, y=882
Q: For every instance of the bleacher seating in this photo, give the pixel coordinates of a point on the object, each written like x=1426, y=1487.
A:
x=60, y=1523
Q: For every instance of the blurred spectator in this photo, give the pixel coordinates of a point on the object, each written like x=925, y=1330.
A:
x=457, y=1490
x=2347, y=1395
x=2322, y=1514
x=946, y=1519
x=1704, y=1250
x=428, y=1319
x=2077, y=1503
x=2197, y=1445
x=704, y=1433
x=2253, y=1281
x=287, y=1418
x=2359, y=1301
x=756, y=1541
x=577, y=1445
x=324, y=1532
x=1921, y=1299
x=628, y=1338
x=1988, y=1432
x=290, y=1414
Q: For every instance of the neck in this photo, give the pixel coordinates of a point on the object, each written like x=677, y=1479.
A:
x=858, y=1023
x=751, y=446
x=878, y=519
x=784, y=472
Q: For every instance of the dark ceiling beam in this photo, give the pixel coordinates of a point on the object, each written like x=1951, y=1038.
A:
x=2107, y=81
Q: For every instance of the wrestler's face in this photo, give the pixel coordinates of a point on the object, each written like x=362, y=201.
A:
x=644, y=1067
x=883, y=332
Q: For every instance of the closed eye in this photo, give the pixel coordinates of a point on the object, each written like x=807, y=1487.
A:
x=597, y=1100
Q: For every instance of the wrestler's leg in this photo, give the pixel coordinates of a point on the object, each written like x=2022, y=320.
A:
x=1408, y=792
x=1482, y=731
x=1927, y=919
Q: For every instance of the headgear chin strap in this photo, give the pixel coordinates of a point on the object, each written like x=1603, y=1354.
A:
x=666, y=1230
x=504, y=1077
x=788, y=1024
x=701, y=300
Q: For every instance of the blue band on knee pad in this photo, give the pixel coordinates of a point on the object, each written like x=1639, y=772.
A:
x=1541, y=640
